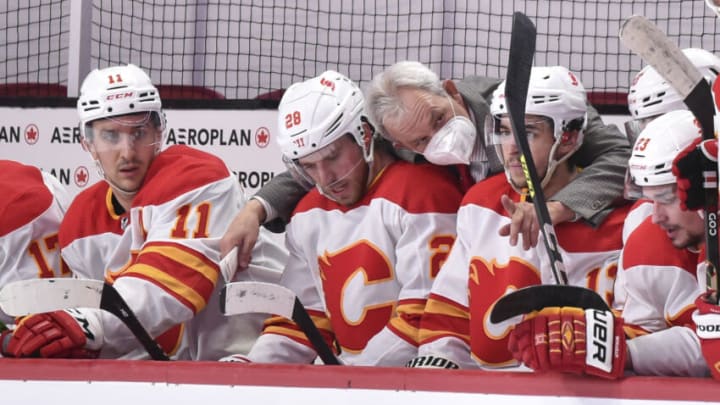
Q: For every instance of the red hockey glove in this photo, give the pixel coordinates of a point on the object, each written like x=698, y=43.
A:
x=688, y=169
x=72, y=333
x=572, y=340
x=707, y=322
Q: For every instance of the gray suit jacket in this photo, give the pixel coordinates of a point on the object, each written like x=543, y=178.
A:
x=603, y=157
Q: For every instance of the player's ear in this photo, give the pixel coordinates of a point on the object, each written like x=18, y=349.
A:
x=568, y=140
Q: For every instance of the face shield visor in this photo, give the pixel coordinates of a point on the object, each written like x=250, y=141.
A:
x=664, y=194
x=327, y=167
x=498, y=131
x=142, y=130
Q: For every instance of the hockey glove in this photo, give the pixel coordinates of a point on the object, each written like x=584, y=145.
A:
x=569, y=339
x=430, y=361
x=688, y=169
x=707, y=322
x=72, y=333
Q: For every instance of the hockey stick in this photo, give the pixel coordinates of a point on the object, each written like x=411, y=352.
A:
x=522, y=49
x=41, y=295
x=528, y=299
x=648, y=41
x=245, y=297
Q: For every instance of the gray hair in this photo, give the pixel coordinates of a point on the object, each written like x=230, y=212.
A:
x=381, y=94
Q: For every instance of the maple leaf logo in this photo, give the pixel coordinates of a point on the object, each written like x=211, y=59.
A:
x=262, y=137
x=81, y=176
x=32, y=134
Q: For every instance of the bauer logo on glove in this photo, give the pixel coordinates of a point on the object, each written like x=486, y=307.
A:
x=569, y=339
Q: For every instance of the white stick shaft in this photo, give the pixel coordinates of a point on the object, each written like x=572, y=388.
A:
x=40, y=295
x=645, y=39
x=246, y=297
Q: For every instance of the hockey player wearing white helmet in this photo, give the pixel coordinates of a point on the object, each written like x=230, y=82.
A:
x=455, y=329
x=411, y=107
x=367, y=241
x=651, y=95
x=151, y=228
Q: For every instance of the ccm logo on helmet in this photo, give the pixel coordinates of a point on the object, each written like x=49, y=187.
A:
x=328, y=83
x=119, y=96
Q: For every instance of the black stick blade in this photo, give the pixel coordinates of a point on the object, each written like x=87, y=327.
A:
x=537, y=297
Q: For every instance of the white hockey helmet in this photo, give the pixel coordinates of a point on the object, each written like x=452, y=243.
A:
x=655, y=149
x=115, y=91
x=553, y=92
x=317, y=112
x=651, y=95
x=314, y=113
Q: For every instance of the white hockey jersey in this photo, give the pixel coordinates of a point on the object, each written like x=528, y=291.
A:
x=364, y=272
x=162, y=256
x=660, y=285
x=31, y=209
x=483, y=266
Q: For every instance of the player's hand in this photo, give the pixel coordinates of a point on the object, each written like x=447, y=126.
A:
x=523, y=220
x=431, y=361
x=243, y=232
x=569, y=339
x=72, y=333
x=688, y=169
x=707, y=322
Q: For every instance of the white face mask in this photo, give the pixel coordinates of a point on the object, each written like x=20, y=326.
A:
x=453, y=143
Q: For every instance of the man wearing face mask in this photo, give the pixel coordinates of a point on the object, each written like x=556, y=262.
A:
x=443, y=121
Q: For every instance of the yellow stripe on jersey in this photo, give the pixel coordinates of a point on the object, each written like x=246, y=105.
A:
x=434, y=306
x=405, y=324
x=279, y=325
x=443, y=319
x=633, y=331
x=185, y=258
x=169, y=283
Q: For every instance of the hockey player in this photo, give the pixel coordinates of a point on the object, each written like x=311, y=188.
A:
x=411, y=106
x=658, y=265
x=151, y=228
x=31, y=209
x=456, y=331
x=660, y=257
x=651, y=95
x=367, y=241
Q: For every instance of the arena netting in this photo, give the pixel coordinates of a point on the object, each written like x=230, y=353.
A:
x=249, y=49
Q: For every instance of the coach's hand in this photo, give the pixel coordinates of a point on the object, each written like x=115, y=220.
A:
x=569, y=339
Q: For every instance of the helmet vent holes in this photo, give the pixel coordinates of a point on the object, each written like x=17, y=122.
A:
x=109, y=109
x=132, y=106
